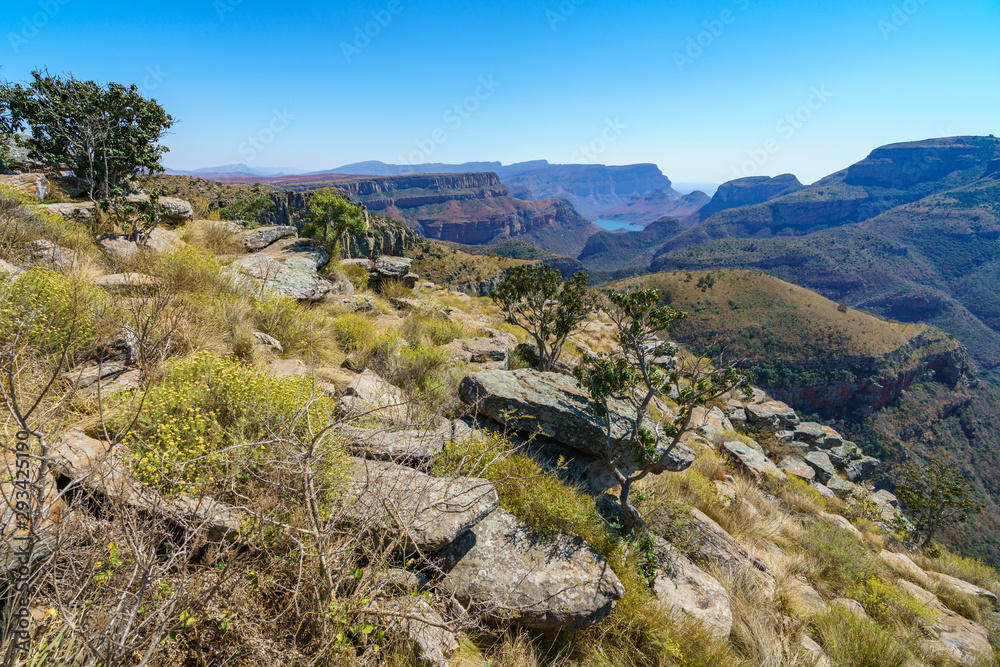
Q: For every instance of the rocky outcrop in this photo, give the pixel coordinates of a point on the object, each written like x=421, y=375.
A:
x=555, y=406
x=288, y=266
x=966, y=640
x=413, y=511
x=550, y=584
x=687, y=590
x=749, y=191
x=35, y=185
x=392, y=270
x=904, y=165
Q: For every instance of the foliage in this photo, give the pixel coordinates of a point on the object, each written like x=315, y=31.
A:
x=434, y=330
x=631, y=378
x=936, y=496
x=137, y=217
x=886, y=603
x=530, y=297
x=851, y=639
x=837, y=562
x=251, y=209
x=48, y=312
x=209, y=410
x=336, y=213
x=105, y=134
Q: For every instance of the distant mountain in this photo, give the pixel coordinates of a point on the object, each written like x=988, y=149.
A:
x=687, y=188
x=593, y=189
x=235, y=170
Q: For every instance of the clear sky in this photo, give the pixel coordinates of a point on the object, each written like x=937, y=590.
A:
x=706, y=90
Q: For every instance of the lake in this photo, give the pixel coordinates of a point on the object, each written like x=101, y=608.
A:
x=615, y=225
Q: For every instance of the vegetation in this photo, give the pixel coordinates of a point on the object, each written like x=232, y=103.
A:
x=333, y=212
x=531, y=298
x=937, y=496
x=633, y=446
x=105, y=134
x=251, y=209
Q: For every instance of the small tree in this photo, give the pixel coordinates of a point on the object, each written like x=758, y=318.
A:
x=105, y=134
x=530, y=297
x=626, y=385
x=136, y=217
x=251, y=209
x=937, y=496
x=331, y=211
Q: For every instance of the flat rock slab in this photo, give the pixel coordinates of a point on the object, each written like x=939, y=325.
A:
x=426, y=513
x=553, y=404
x=773, y=414
x=796, y=466
x=295, y=276
x=261, y=237
x=750, y=460
x=904, y=566
x=965, y=639
x=129, y=283
x=368, y=395
x=549, y=584
x=492, y=352
x=715, y=545
x=965, y=587
x=411, y=445
x=686, y=589
x=821, y=463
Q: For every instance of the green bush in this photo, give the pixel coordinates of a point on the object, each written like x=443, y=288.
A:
x=432, y=330
x=838, y=562
x=190, y=269
x=205, y=404
x=854, y=641
x=49, y=311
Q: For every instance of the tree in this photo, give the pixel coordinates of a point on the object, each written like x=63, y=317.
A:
x=250, y=209
x=331, y=211
x=937, y=496
x=137, y=217
x=530, y=297
x=645, y=394
x=105, y=134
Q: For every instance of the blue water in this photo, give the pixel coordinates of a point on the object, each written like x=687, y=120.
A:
x=615, y=225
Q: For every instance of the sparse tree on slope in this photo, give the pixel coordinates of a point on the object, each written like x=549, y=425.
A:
x=937, y=496
x=627, y=384
x=530, y=297
x=334, y=212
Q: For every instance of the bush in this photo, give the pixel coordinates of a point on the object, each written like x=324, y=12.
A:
x=205, y=405
x=888, y=604
x=190, y=269
x=838, y=562
x=49, y=311
x=428, y=330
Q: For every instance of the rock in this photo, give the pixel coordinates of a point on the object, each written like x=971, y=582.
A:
x=32, y=184
x=964, y=587
x=819, y=656
x=843, y=454
x=392, y=269
x=851, y=605
x=773, y=414
x=686, y=589
x=176, y=210
x=803, y=597
x=295, y=276
x=710, y=421
x=163, y=240
x=841, y=522
x=554, y=583
x=716, y=546
x=339, y=283
x=365, y=264
x=287, y=367
x=129, y=283
x=419, y=512
x=159, y=240
x=863, y=468
x=12, y=526
x=841, y=487
x=358, y=303
x=809, y=432
x=882, y=496
x=268, y=340
x=79, y=211
x=92, y=465
x=491, y=352
x=904, y=566
x=821, y=463
x=965, y=639
x=414, y=617
x=398, y=581
x=87, y=374
x=115, y=384
x=529, y=353
x=9, y=271
x=796, y=466
x=753, y=462
x=557, y=407
x=410, y=445
x=261, y=237
x=370, y=395
x=48, y=253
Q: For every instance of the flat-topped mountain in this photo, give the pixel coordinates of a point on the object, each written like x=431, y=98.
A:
x=657, y=204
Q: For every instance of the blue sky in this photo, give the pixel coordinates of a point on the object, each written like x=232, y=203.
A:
x=707, y=90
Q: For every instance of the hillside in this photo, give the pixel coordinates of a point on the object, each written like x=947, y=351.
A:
x=645, y=209
x=610, y=251
x=259, y=450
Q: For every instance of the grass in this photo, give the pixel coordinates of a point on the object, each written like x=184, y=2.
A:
x=853, y=641
x=836, y=560
x=428, y=330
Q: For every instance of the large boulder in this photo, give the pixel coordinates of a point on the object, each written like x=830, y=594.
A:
x=368, y=395
x=715, y=546
x=750, y=460
x=79, y=211
x=159, y=240
x=820, y=462
x=175, y=210
x=35, y=185
x=965, y=587
x=771, y=414
x=550, y=583
x=489, y=351
x=554, y=405
x=417, y=511
x=687, y=590
x=966, y=640
x=389, y=444
x=392, y=269
x=295, y=276
x=795, y=465
x=261, y=237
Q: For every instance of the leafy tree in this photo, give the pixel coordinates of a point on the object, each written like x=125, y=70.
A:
x=530, y=297
x=105, y=134
x=936, y=495
x=645, y=394
x=331, y=211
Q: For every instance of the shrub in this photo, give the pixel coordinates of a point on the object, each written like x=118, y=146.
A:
x=432, y=330
x=205, y=405
x=49, y=311
x=888, y=604
x=838, y=563
x=190, y=269
x=355, y=332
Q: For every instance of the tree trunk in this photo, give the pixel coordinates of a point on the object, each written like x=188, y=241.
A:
x=633, y=520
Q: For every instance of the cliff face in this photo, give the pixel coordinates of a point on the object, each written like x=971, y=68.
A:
x=909, y=164
x=856, y=387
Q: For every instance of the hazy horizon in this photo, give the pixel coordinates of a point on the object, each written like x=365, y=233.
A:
x=708, y=91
